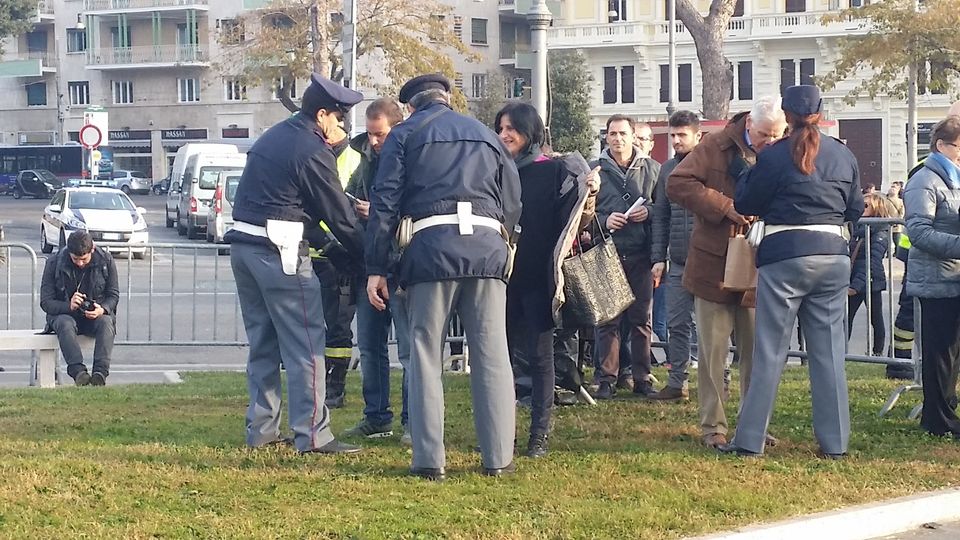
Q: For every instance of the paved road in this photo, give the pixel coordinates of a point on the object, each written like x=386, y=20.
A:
x=932, y=531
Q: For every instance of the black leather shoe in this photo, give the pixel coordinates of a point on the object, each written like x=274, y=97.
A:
x=82, y=379
x=98, y=379
x=434, y=475
x=537, y=446
x=733, y=449
x=502, y=471
x=334, y=447
x=605, y=391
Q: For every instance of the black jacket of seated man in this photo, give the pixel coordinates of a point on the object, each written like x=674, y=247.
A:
x=81, y=268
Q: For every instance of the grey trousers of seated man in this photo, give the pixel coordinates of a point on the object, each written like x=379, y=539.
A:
x=813, y=288
x=283, y=317
x=481, y=305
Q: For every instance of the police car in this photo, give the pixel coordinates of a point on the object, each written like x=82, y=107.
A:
x=107, y=214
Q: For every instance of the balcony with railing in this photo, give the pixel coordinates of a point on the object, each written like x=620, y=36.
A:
x=517, y=55
x=106, y=7
x=777, y=26
x=44, y=12
x=148, y=57
x=28, y=64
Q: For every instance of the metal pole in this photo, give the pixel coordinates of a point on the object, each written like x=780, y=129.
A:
x=350, y=59
x=539, y=18
x=672, y=68
x=314, y=37
x=912, y=103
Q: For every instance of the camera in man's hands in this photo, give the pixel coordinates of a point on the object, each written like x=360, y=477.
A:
x=87, y=305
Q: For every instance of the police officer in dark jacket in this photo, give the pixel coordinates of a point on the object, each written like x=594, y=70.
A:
x=804, y=187
x=82, y=272
x=453, y=177
x=290, y=180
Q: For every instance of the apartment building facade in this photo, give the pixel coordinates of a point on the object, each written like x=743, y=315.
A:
x=771, y=44
x=161, y=71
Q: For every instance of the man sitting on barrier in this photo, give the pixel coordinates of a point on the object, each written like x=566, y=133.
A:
x=79, y=294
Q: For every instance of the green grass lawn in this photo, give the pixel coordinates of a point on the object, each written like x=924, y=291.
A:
x=169, y=462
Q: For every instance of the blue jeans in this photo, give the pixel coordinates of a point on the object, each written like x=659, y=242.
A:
x=373, y=328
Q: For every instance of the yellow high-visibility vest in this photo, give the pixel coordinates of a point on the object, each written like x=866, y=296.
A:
x=347, y=162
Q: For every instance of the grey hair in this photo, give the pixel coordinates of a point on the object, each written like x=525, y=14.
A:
x=434, y=94
x=768, y=109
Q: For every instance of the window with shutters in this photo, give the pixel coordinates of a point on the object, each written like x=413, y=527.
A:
x=478, y=31
x=609, y=85
x=122, y=92
x=79, y=92
x=626, y=84
x=188, y=90
x=478, y=84
x=458, y=27
x=234, y=90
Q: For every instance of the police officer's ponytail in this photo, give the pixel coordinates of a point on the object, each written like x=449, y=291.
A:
x=804, y=140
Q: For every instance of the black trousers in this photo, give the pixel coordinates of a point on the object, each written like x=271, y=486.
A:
x=103, y=329
x=530, y=338
x=610, y=335
x=876, y=317
x=940, y=326
x=338, y=312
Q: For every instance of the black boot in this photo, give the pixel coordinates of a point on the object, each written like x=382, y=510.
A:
x=336, y=385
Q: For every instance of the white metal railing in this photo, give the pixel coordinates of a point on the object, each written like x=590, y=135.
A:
x=45, y=7
x=47, y=59
x=149, y=55
x=113, y=5
x=749, y=27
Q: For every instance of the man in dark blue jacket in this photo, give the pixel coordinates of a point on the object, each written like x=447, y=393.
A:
x=452, y=176
x=290, y=180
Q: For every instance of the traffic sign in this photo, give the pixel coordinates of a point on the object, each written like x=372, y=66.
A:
x=90, y=136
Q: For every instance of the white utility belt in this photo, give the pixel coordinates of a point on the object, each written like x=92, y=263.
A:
x=286, y=235
x=774, y=229
x=466, y=224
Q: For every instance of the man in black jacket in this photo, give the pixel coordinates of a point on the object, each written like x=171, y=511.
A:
x=627, y=179
x=79, y=294
x=672, y=225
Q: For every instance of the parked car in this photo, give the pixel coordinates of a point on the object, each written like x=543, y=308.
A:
x=36, y=183
x=174, y=190
x=161, y=187
x=220, y=214
x=107, y=214
x=197, y=185
x=131, y=182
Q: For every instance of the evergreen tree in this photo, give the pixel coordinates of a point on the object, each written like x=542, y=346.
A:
x=570, y=127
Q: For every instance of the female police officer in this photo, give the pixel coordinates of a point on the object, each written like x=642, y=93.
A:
x=804, y=187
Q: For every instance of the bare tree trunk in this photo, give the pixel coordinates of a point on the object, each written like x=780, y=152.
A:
x=708, y=33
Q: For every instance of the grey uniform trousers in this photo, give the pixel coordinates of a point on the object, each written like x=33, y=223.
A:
x=283, y=317
x=481, y=305
x=813, y=288
x=680, y=326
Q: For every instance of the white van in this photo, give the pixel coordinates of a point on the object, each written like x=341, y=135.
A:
x=198, y=183
x=176, y=173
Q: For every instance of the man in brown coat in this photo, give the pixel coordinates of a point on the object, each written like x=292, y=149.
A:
x=704, y=183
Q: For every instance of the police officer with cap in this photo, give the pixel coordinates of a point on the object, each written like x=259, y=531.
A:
x=460, y=187
x=804, y=187
x=290, y=180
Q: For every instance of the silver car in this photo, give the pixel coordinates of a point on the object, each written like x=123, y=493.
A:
x=220, y=214
x=131, y=182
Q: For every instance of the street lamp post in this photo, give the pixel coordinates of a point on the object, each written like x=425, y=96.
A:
x=672, y=66
x=539, y=18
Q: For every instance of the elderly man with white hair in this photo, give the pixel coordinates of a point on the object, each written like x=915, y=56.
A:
x=704, y=183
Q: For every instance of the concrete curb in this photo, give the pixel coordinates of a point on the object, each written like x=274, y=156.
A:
x=858, y=522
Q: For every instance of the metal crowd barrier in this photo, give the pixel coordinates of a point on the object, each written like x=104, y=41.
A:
x=16, y=310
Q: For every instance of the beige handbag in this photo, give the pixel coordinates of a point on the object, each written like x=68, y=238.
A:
x=740, y=271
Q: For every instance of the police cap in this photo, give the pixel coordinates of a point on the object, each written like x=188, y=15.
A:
x=431, y=81
x=326, y=94
x=802, y=100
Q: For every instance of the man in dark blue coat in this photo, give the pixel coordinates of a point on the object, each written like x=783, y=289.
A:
x=290, y=180
x=452, y=176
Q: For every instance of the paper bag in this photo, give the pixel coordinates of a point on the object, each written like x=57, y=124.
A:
x=740, y=272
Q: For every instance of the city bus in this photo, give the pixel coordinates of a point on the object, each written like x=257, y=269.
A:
x=65, y=161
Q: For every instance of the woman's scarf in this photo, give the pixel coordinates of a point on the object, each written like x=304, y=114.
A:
x=528, y=156
x=953, y=173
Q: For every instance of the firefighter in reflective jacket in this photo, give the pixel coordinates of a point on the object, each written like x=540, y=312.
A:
x=333, y=268
x=903, y=326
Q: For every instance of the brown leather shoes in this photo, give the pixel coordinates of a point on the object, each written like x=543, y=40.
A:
x=669, y=393
x=714, y=440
